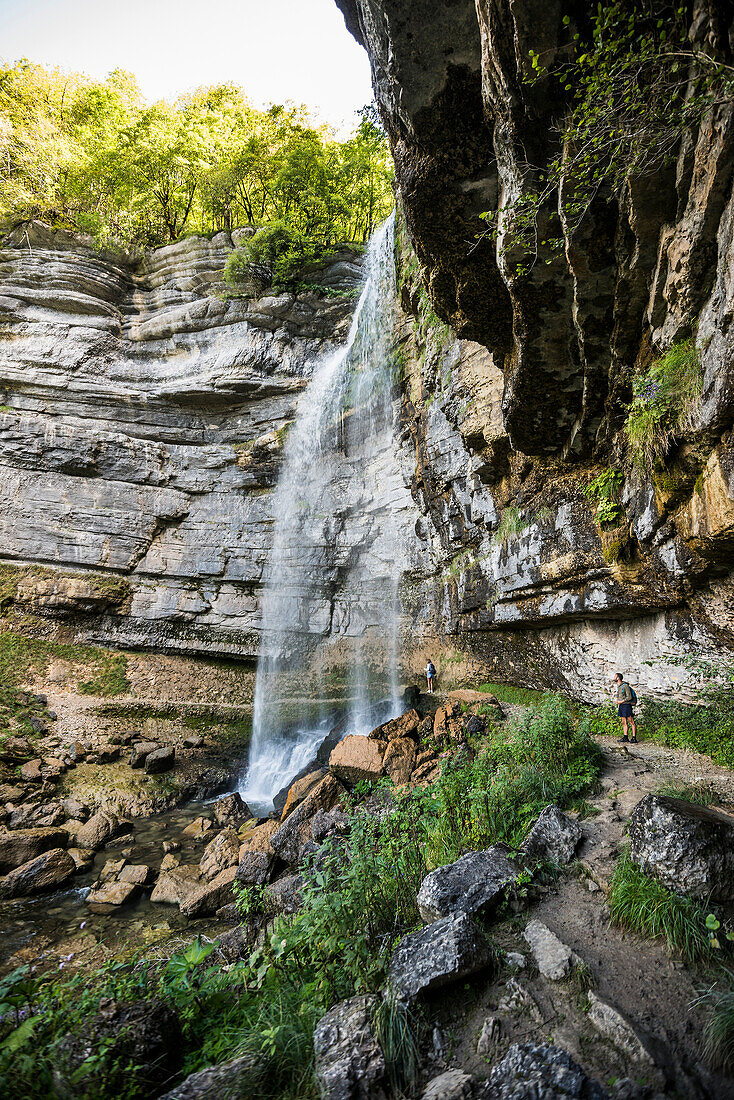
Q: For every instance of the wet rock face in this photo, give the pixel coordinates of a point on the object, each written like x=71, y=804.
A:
x=689, y=848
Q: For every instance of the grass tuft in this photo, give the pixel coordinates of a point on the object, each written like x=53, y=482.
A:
x=664, y=403
x=643, y=905
x=718, y=1041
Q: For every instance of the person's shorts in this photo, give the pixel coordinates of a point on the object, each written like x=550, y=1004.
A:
x=625, y=710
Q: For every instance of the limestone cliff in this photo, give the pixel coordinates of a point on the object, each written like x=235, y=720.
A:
x=143, y=413
x=512, y=420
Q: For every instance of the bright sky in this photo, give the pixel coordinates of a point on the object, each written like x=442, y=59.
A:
x=275, y=49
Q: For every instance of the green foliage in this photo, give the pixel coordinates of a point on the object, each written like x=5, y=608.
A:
x=511, y=524
x=110, y=679
x=702, y=728
x=663, y=403
x=604, y=490
x=644, y=905
x=396, y=1028
x=278, y=252
x=697, y=793
x=628, y=84
x=94, y=156
x=511, y=693
x=719, y=1034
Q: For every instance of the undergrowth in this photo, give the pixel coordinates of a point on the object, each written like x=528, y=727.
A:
x=511, y=693
x=643, y=905
x=663, y=403
x=358, y=898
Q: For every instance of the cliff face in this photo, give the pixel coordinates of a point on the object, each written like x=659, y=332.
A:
x=142, y=421
x=511, y=422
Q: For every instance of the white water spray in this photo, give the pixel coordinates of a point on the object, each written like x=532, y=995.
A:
x=335, y=564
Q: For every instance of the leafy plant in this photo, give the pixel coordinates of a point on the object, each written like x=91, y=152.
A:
x=663, y=403
x=604, y=490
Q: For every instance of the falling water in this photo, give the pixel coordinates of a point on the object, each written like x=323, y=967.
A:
x=334, y=568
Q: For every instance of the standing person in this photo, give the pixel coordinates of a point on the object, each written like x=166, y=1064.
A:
x=430, y=671
x=626, y=699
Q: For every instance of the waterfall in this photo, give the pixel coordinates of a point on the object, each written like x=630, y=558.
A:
x=334, y=568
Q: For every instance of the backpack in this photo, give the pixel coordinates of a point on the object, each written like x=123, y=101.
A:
x=431, y=669
x=633, y=700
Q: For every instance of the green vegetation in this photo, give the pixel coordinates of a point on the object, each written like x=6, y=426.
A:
x=511, y=693
x=663, y=403
x=95, y=157
x=644, y=905
x=510, y=524
x=21, y=657
x=719, y=1034
x=357, y=902
x=604, y=490
x=697, y=793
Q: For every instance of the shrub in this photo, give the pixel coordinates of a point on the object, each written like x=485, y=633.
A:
x=604, y=490
x=702, y=728
x=277, y=252
x=643, y=905
x=663, y=403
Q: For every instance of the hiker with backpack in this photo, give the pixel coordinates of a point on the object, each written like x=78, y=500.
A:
x=430, y=671
x=626, y=700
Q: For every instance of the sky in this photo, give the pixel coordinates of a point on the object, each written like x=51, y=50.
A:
x=275, y=49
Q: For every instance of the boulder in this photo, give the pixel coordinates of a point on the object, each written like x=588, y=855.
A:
x=327, y=824
x=83, y=858
x=45, y=872
x=239, y=942
x=95, y=832
x=221, y=852
x=475, y=724
x=284, y=896
x=22, y=845
x=144, y=1037
x=530, y=1071
x=74, y=809
x=554, y=837
x=295, y=831
x=552, y=957
x=473, y=884
x=406, y=725
x=451, y=1085
x=175, y=886
x=160, y=760
x=688, y=848
x=399, y=759
x=140, y=752
x=210, y=896
x=257, y=839
x=254, y=869
x=231, y=810
x=444, y=952
x=490, y=1033
x=107, y=754
x=77, y=751
x=198, y=828
x=31, y=771
x=105, y=896
x=226, y=1081
x=357, y=758
x=349, y=1062
x=111, y=870
x=10, y=793
x=298, y=791
x=137, y=873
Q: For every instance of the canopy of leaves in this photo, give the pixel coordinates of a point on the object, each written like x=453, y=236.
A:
x=94, y=156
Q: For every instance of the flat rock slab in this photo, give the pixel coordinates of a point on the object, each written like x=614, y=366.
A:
x=554, y=837
x=473, y=884
x=160, y=760
x=613, y=1026
x=444, y=952
x=552, y=957
x=45, y=872
x=109, y=895
x=530, y=1071
x=688, y=848
x=452, y=1085
x=349, y=1063
x=357, y=758
x=175, y=886
x=210, y=896
x=18, y=846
